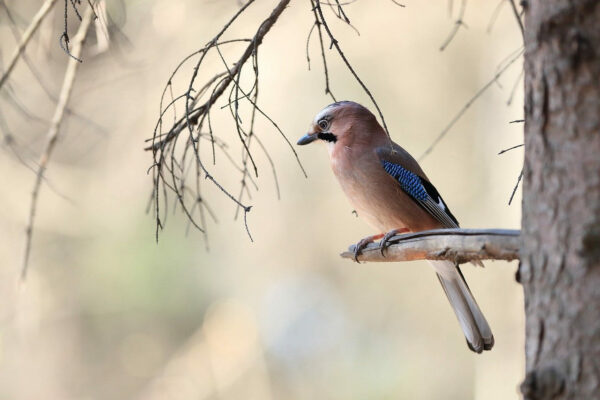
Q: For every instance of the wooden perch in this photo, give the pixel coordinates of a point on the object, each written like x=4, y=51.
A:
x=456, y=245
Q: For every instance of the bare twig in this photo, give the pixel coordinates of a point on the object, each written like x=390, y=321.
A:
x=64, y=39
x=456, y=245
x=468, y=104
x=53, y=131
x=31, y=29
x=323, y=57
x=450, y=7
x=171, y=167
x=193, y=116
x=511, y=148
x=38, y=77
x=515, y=188
x=338, y=11
x=334, y=43
x=457, y=24
x=517, y=17
x=494, y=16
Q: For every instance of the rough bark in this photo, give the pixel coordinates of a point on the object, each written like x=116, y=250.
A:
x=560, y=253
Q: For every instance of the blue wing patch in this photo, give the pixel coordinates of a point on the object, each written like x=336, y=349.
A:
x=409, y=182
x=422, y=192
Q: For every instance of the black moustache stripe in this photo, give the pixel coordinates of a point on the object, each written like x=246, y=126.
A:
x=327, y=136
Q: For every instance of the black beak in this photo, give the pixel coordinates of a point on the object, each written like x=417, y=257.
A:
x=306, y=139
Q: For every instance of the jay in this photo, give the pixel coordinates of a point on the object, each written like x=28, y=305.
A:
x=388, y=188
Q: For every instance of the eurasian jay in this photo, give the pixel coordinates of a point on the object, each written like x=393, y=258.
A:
x=388, y=188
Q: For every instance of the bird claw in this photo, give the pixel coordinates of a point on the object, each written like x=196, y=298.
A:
x=362, y=243
x=383, y=244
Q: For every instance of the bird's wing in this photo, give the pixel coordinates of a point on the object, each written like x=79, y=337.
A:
x=404, y=169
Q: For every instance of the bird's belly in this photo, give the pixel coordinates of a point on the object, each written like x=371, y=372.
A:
x=381, y=202
x=376, y=214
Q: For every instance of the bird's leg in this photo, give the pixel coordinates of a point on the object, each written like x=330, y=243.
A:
x=362, y=243
x=384, y=242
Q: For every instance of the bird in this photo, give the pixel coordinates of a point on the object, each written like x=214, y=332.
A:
x=389, y=190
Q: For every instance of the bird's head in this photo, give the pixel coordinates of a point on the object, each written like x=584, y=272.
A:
x=342, y=122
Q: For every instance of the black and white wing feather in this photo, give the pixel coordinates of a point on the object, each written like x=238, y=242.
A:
x=422, y=192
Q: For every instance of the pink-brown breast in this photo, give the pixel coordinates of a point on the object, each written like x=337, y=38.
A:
x=375, y=195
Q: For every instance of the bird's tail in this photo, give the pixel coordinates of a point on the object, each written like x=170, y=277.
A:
x=475, y=327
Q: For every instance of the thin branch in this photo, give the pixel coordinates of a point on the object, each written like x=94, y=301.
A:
x=64, y=39
x=174, y=159
x=334, y=43
x=53, y=131
x=38, y=77
x=341, y=15
x=31, y=29
x=464, y=109
x=512, y=196
x=456, y=245
x=494, y=16
x=517, y=16
x=193, y=116
x=312, y=28
x=457, y=24
x=511, y=148
x=318, y=24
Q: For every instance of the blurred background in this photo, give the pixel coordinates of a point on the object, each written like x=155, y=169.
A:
x=108, y=313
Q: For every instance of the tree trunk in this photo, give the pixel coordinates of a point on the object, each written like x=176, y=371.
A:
x=560, y=256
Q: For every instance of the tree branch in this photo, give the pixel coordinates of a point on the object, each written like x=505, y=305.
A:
x=52, y=135
x=31, y=29
x=193, y=116
x=334, y=43
x=457, y=24
x=513, y=6
x=470, y=103
x=176, y=152
x=456, y=245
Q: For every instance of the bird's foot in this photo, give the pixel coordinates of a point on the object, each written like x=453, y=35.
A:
x=362, y=243
x=384, y=241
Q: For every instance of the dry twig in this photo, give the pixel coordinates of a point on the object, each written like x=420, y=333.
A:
x=513, y=6
x=31, y=29
x=174, y=159
x=321, y=21
x=64, y=40
x=318, y=25
x=53, y=131
x=494, y=16
x=512, y=195
x=511, y=148
x=38, y=76
x=469, y=104
x=457, y=24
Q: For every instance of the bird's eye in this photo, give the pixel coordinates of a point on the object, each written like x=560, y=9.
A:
x=323, y=124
